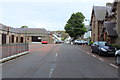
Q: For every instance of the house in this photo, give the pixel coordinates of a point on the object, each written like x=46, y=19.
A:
x=116, y=10
x=97, y=22
x=105, y=23
x=111, y=30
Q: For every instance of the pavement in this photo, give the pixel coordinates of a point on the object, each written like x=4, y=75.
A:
x=59, y=61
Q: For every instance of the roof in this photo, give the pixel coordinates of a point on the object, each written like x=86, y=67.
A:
x=35, y=31
x=110, y=28
x=31, y=30
x=100, y=12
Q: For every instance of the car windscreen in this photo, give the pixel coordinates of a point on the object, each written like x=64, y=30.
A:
x=102, y=43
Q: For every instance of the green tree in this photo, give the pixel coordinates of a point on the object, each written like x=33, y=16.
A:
x=24, y=27
x=75, y=26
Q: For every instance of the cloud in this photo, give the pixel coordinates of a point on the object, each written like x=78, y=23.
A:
x=56, y=1
x=46, y=25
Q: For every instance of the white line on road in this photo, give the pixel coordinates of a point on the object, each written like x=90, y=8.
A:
x=51, y=71
x=93, y=55
x=53, y=66
x=56, y=56
x=101, y=59
x=114, y=65
x=88, y=53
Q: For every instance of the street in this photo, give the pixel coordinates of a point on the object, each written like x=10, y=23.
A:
x=59, y=61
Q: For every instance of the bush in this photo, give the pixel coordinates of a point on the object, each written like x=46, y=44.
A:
x=115, y=45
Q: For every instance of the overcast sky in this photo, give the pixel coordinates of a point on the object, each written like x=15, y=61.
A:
x=48, y=14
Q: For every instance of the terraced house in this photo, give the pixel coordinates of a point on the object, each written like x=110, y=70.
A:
x=105, y=23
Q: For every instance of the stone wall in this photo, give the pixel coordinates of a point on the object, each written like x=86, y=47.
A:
x=94, y=33
x=118, y=24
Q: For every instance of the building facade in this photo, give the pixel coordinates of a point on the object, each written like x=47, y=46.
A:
x=108, y=28
x=97, y=22
x=23, y=35
x=116, y=6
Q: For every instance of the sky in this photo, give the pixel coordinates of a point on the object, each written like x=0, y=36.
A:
x=49, y=14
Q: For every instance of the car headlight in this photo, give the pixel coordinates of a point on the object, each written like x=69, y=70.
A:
x=103, y=49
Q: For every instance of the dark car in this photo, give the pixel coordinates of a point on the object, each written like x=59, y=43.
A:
x=117, y=57
x=102, y=48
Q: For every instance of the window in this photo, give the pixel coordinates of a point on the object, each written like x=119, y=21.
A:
x=9, y=39
x=3, y=38
x=12, y=38
x=17, y=39
x=21, y=40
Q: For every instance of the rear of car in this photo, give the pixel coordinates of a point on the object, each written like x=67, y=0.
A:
x=117, y=57
x=58, y=42
x=44, y=42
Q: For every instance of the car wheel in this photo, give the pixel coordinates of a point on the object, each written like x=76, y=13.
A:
x=99, y=53
x=118, y=59
x=91, y=50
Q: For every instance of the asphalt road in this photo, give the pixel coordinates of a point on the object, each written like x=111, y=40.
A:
x=58, y=61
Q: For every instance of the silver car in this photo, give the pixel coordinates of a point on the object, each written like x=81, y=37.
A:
x=117, y=56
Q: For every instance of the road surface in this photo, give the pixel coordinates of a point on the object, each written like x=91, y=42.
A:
x=58, y=61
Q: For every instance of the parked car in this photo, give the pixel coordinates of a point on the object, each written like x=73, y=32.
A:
x=44, y=42
x=80, y=42
x=58, y=42
x=76, y=42
x=85, y=42
x=117, y=56
x=102, y=48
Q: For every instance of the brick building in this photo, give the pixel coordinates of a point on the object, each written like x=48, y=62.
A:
x=23, y=35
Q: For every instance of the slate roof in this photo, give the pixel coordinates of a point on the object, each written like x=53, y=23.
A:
x=31, y=30
x=40, y=31
x=110, y=28
x=100, y=12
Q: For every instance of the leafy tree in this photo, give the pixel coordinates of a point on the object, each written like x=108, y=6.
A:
x=75, y=26
x=24, y=27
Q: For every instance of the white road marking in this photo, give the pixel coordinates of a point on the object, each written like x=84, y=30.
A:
x=93, y=55
x=56, y=56
x=114, y=65
x=53, y=66
x=101, y=59
x=88, y=53
x=51, y=71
